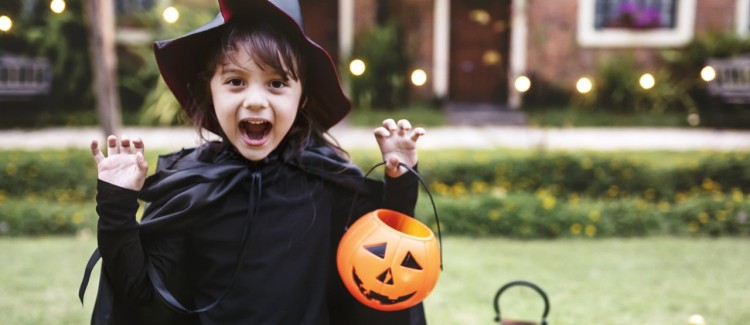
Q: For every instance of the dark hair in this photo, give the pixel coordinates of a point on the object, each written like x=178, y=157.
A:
x=274, y=48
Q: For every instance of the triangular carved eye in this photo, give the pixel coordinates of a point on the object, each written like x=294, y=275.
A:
x=410, y=262
x=377, y=249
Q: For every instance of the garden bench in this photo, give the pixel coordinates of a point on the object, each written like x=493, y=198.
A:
x=732, y=82
x=24, y=79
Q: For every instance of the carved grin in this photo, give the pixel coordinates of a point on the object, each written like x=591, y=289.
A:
x=372, y=295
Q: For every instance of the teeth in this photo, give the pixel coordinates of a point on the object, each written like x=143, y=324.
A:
x=256, y=122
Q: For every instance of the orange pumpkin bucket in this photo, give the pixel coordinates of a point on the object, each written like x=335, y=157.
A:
x=389, y=261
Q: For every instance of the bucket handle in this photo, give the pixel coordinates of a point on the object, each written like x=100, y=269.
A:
x=421, y=181
x=531, y=285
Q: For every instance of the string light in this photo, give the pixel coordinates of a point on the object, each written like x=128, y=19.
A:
x=357, y=67
x=5, y=23
x=647, y=81
x=57, y=6
x=170, y=15
x=522, y=84
x=418, y=77
x=708, y=73
x=584, y=85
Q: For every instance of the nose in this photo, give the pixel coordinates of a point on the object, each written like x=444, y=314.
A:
x=255, y=98
x=386, y=277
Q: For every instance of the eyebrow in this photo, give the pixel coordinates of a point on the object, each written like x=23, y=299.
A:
x=232, y=68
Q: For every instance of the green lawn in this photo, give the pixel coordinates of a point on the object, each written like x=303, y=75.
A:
x=615, y=281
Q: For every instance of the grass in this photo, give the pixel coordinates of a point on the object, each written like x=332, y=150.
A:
x=39, y=280
x=616, y=281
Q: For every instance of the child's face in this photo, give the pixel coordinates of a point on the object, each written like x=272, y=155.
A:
x=255, y=106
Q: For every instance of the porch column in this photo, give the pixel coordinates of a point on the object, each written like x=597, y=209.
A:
x=742, y=16
x=518, y=39
x=441, y=48
x=346, y=36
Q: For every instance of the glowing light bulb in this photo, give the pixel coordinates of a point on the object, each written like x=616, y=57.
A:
x=5, y=23
x=584, y=85
x=57, y=6
x=171, y=15
x=418, y=77
x=357, y=67
x=522, y=84
x=708, y=73
x=647, y=81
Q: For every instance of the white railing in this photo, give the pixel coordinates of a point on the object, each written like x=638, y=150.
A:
x=23, y=78
x=732, y=82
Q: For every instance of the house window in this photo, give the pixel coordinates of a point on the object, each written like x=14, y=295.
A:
x=630, y=23
x=641, y=14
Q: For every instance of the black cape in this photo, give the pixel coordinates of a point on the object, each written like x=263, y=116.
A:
x=195, y=178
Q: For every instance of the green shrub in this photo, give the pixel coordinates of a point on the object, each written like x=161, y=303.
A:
x=516, y=194
x=593, y=175
x=618, y=88
x=62, y=176
x=541, y=215
x=40, y=217
x=384, y=84
x=686, y=63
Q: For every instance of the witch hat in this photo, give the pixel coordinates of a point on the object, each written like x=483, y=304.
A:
x=181, y=59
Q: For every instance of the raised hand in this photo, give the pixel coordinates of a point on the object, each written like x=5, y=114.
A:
x=398, y=143
x=123, y=166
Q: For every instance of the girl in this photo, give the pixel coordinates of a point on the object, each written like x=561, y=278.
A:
x=244, y=230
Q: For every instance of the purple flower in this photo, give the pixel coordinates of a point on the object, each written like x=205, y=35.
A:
x=648, y=17
x=632, y=15
x=627, y=8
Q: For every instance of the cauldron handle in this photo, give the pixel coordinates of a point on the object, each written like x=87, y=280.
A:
x=536, y=288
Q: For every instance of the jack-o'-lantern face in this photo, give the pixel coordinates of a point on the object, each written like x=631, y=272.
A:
x=382, y=287
x=388, y=261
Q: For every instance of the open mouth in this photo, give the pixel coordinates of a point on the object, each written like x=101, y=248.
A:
x=372, y=295
x=255, y=131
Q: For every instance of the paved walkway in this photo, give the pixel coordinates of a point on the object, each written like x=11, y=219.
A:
x=439, y=137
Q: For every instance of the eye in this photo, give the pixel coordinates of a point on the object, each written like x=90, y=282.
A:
x=277, y=84
x=410, y=262
x=235, y=82
x=377, y=249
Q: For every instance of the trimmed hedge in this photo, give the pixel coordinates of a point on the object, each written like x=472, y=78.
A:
x=58, y=176
x=596, y=175
x=46, y=192
x=517, y=194
x=540, y=215
x=40, y=217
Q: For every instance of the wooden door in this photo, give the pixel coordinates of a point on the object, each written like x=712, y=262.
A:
x=321, y=19
x=479, y=51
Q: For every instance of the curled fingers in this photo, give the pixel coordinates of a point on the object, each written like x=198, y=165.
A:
x=95, y=152
x=418, y=132
x=403, y=127
x=112, y=147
